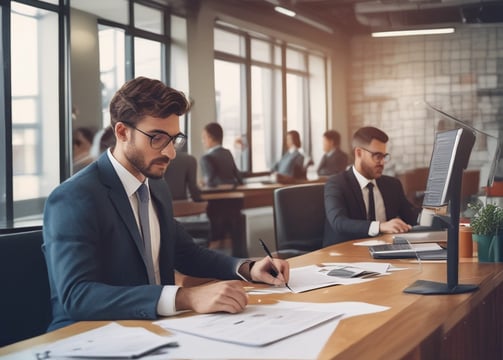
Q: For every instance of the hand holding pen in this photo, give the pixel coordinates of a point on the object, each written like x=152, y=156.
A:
x=273, y=270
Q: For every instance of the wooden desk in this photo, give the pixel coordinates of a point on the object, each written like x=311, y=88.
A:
x=254, y=194
x=466, y=326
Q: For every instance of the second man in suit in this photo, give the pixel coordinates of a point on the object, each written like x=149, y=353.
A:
x=355, y=209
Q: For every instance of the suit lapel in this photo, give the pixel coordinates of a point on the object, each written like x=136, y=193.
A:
x=357, y=192
x=120, y=201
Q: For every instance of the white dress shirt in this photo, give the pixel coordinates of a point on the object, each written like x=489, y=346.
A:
x=378, y=200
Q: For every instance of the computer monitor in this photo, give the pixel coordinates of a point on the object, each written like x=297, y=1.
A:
x=450, y=155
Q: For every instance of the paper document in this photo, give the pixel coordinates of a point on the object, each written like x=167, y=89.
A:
x=109, y=341
x=305, y=345
x=257, y=325
x=421, y=237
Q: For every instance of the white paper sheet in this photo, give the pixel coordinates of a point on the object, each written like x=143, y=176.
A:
x=257, y=325
x=305, y=345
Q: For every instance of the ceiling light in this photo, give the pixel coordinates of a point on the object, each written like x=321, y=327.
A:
x=413, y=32
x=284, y=11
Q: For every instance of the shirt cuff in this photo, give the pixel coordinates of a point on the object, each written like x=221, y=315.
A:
x=239, y=265
x=166, y=305
x=374, y=228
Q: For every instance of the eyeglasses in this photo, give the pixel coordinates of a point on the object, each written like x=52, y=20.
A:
x=161, y=140
x=378, y=156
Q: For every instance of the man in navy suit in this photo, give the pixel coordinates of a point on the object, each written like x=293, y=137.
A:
x=219, y=168
x=334, y=160
x=217, y=163
x=350, y=212
x=105, y=260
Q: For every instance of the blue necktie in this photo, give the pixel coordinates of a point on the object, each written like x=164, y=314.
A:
x=142, y=194
x=372, y=209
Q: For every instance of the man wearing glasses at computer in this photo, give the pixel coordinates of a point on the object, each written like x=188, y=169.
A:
x=361, y=201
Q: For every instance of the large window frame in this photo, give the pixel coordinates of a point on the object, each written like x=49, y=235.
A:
x=275, y=114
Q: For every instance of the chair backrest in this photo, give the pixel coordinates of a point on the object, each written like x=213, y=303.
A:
x=299, y=218
x=25, y=307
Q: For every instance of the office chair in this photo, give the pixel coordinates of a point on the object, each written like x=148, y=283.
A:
x=25, y=307
x=299, y=219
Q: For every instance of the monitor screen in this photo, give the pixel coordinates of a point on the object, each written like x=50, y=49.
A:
x=451, y=148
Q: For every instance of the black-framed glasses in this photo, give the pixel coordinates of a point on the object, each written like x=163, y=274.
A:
x=161, y=139
x=378, y=156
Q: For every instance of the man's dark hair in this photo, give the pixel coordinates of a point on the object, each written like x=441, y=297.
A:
x=363, y=136
x=215, y=131
x=294, y=134
x=333, y=136
x=141, y=97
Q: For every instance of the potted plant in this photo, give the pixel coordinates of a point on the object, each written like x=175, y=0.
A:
x=486, y=224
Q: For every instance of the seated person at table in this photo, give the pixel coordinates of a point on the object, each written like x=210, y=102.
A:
x=334, y=160
x=351, y=212
x=111, y=243
x=181, y=177
x=291, y=165
x=217, y=163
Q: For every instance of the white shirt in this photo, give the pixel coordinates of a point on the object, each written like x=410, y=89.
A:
x=166, y=303
x=378, y=200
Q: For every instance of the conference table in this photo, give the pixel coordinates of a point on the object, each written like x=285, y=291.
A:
x=461, y=326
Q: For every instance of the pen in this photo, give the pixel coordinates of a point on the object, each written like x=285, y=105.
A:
x=274, y=272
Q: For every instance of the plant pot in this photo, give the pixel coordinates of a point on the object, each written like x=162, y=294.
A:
x=483, y=246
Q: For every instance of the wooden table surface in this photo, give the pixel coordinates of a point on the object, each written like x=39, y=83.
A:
x=415, y=327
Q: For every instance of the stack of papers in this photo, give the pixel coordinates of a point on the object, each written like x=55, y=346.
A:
x=109, y=341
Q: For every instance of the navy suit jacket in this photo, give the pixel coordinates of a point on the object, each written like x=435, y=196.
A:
x=346, y=215
x=92, y=247
x=333, y=163
x=218, y=168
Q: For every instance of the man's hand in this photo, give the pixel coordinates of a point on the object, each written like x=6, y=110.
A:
x=394, y=226
x=226, y=296
x=271, y=271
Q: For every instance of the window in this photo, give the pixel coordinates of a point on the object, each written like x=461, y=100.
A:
x=287, y=91
x=32, y=160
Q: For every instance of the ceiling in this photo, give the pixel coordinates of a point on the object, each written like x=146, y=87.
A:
x=363, y=16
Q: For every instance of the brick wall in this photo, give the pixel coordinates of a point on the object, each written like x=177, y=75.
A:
x=461, y=73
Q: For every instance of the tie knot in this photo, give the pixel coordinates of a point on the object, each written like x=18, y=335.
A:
x=370, y=186
x=142, y=193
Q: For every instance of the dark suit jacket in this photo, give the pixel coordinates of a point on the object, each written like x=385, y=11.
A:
x=346, y=216
x=291, y=164
x=92, y=247
x=182, y=175
x=218, y=168
x=333, y=164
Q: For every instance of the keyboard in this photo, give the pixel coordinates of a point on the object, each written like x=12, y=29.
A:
x=400, y=251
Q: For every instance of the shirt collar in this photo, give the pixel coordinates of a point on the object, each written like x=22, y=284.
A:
x=211, y=149
x=128, y=180
x=362, y=180
x=292, y=149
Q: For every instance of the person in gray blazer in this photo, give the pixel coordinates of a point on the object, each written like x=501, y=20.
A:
x=291, y=164
x=111, y=243
x=334, y=160
x=181, y=177
x=347, y=196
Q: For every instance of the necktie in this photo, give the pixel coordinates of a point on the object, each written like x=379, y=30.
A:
x=142, y=194
x=372, y=209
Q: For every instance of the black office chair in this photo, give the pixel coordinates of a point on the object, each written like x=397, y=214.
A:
x=299, y=219
x=25, y=307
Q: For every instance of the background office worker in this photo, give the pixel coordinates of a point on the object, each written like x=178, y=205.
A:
x=217, y=163
x=334, y=160
x=291, y=164
x=181, y=176
x=97, y=255
x=348, y=207
x=219, y=168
